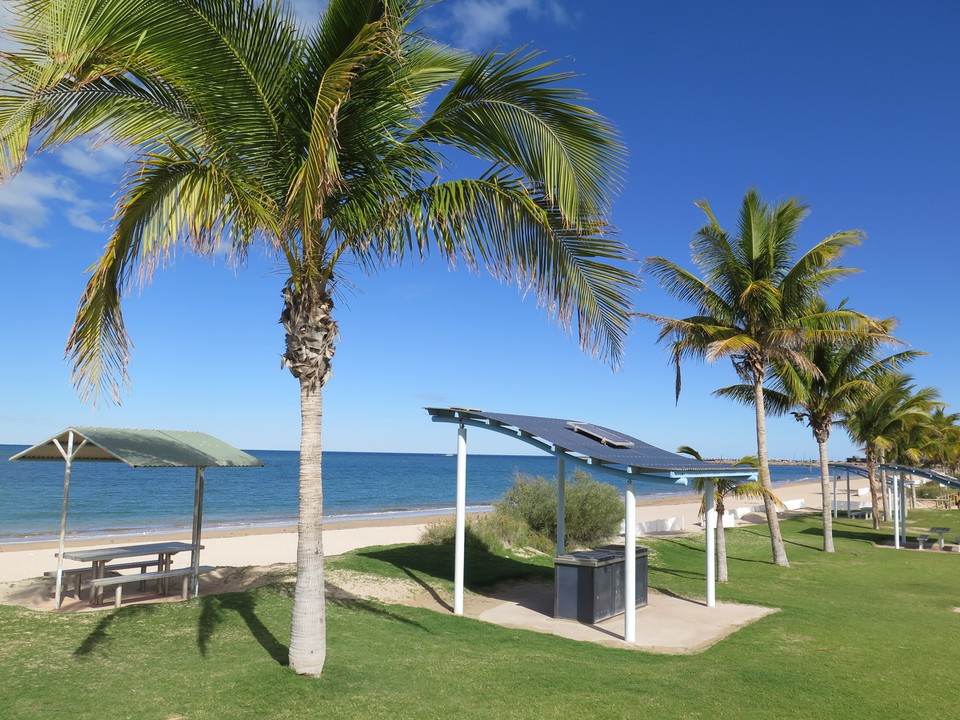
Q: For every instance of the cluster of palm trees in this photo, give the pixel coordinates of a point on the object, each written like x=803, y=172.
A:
x=761, y=303
x=335, y=144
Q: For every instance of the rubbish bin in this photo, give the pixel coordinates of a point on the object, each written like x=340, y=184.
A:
x=588, y=585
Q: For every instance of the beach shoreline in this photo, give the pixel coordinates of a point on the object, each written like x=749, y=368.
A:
x=264, y=546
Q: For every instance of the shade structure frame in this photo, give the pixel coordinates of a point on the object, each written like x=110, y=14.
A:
x=547, y=434
x=137, y=448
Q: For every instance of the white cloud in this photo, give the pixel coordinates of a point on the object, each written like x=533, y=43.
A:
x=94, y=161
x=480, y=23
x=30, y=201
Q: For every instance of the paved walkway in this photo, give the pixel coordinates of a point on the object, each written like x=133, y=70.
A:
x=667, y=624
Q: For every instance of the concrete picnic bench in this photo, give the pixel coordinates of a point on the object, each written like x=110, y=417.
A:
x=99, y=557
x=158, y=575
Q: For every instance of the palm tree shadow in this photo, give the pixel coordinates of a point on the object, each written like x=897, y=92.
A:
x=212, y=615
x=374, y=608
x=100, y=634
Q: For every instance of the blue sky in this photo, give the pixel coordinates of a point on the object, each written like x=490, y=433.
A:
x=851, y=106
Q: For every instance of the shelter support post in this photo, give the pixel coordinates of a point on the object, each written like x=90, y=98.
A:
x=461, y=520
x=710, y=521
x=561, y=505
x=903, y=512
x=67, y=458
x=630, y=568
x=835, y=508
x=896, y=512
x=197, y=526
x=848, y=493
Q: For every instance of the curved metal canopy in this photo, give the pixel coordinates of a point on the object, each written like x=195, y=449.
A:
x=141, y=448
x=594, y=445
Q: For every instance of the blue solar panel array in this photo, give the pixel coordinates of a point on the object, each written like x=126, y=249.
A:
x=590, y=440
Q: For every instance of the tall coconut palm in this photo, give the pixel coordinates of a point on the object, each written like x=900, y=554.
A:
x=885, y=418
x=753, y=304
x=723, y=488
x=324, y=145
x=831, y=378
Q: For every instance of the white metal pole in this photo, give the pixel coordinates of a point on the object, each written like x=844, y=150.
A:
x=67, y=457
x=836, y=509
x=461, y=520
x=197, y=526
x=896, y=513
x=561, y=505
x=630, y=567
x=848, y=494
x=903, y=513
x=710, y=521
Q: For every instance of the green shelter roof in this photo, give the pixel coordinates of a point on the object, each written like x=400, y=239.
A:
x=141, y=448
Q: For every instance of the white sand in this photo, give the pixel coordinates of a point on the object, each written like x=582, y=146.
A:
x=269, y=547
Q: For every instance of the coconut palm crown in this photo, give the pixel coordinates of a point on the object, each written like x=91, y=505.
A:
x=324, y=145
x=753, y=303
x=832, y=378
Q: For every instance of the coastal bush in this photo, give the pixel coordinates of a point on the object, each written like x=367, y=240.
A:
x=444, y=532
x=593, y=509
x=490, y=532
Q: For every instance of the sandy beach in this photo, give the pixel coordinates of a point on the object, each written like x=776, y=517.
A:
x=256, y=551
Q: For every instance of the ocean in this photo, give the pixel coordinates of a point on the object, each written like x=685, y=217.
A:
x=111, y=499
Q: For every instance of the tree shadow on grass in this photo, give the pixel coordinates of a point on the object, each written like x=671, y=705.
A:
x=100, y=635
x=213, y=609
x=376, y=609
x=482, y=569
x=685, y=574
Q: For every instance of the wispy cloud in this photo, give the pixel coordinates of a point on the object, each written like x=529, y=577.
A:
x=94, y=161
x=480, y=23
x=31, y=200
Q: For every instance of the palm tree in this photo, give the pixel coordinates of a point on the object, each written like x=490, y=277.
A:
x=831, y=378
x=753, y=304
x=883, y=421
x=724, y=487
x=324, y=145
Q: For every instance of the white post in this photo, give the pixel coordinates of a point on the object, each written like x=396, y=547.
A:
x=903, y=513
x=710, y=521
x=896, y=513
x=197, y=526
x=561, y=505
x=461, y=520
x=836, y=509
x=848, y=494
x=630, y=567
x=67, y=457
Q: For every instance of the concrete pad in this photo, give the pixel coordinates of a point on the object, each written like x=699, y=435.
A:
x=668, y=624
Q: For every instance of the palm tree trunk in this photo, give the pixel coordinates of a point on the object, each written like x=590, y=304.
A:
x=776, y=537
x=311, y=335
x=825, y=493
x=721, y=544
x=875, y=489
x=308, y=634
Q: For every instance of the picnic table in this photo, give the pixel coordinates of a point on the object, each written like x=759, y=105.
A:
x=99, y=557
x=941, y=531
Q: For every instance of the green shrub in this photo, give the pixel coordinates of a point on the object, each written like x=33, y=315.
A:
x=533, y=500
x=593, y=509
x=931, y=490
x=444, y=532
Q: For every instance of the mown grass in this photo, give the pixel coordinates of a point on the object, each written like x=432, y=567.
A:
x=866, y=632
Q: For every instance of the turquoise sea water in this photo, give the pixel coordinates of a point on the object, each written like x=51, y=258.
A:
x=112, y=499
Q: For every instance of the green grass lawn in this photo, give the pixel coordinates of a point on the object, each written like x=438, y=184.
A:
x=864, y=633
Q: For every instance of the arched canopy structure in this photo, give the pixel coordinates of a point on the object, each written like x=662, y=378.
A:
x=598, y=448
x=897, y=484
x=138, y=448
